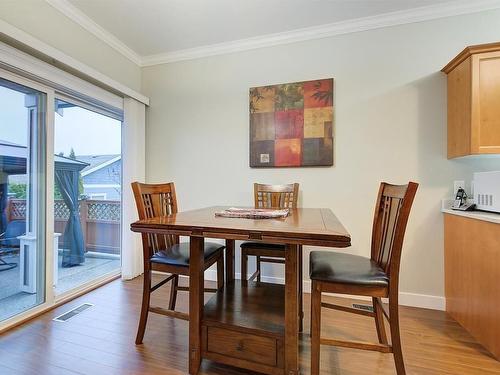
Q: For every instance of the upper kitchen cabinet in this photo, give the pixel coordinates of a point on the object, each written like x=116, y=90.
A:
x=474, y=101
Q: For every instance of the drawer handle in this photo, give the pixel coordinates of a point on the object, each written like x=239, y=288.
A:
x=240, y=346
x=255, y=236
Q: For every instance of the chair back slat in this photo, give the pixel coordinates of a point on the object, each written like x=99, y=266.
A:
x=389, y=224
x=155, y=200
x=276, y=196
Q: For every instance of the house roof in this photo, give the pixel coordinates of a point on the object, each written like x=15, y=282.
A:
x=7, y=143
x=66, y=160
x=13, y=159
x=96, y=162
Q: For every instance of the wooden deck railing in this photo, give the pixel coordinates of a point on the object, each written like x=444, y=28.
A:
x=101, y=220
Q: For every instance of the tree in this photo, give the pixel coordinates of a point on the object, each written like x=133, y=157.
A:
x=19, y=190
x=57, y=192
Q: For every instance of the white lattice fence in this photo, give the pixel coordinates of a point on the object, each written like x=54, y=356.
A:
x=104, y=210
x=61, y=211
x=100, y=222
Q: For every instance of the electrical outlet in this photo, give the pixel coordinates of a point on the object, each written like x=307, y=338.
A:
x=457, y=185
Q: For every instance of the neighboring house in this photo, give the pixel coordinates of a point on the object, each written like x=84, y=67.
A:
x=103, y=177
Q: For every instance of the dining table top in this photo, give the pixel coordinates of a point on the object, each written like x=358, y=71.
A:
x=304, y=226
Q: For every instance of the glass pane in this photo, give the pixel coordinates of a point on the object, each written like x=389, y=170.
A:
x=22, y=198
x=87, y=201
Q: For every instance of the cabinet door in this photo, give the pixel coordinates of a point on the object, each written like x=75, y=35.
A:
x=485, y=134
x=472, y=266
x=459, y=110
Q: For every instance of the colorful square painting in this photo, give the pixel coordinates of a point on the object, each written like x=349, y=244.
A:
x=291, y=125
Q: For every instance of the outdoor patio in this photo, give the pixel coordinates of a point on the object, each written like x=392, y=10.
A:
x=14, y=301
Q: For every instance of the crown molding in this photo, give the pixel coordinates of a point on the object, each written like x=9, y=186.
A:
x=76, y=15
x=448, y=9
x=431, y=12
x=468, y=52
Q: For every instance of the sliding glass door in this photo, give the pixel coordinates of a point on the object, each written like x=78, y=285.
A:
x=60, y=191
x=87, y=194
x=22, y=198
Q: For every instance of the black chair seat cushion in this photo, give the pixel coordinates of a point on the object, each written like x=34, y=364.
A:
x=346, y=269
x=263, y=245
x=178, y=255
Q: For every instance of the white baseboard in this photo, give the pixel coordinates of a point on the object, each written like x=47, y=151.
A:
x=423, y=301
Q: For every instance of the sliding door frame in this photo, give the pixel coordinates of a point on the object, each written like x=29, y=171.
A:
x=51, y=300
x=49, y=198
x=92, y=284
x=18, y=66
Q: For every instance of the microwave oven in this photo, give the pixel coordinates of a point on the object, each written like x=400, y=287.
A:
x=487, y=191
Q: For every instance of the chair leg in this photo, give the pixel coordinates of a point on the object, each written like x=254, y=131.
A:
x=220, y=273
x=310, y=317
x=258, y=263
x=244, y=267
x=146, y=294
x=301, y=290
x=315, y=328
x=379, y=320
x=173, y=293
x=395, y=335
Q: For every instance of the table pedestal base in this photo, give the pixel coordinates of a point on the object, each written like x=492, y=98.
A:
x=244, y=326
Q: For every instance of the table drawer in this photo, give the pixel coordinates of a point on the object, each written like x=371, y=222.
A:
x=240, y=345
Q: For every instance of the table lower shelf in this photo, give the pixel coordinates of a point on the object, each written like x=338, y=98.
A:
x=244, y=326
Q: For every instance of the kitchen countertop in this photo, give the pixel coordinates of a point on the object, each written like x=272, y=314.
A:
x=478, y=215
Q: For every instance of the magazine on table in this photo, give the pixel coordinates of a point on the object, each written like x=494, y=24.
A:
x=253, y=213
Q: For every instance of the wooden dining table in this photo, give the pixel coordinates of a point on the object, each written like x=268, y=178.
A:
x=252, y=325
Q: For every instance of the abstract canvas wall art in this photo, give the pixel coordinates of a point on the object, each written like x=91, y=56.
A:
x=291, y=124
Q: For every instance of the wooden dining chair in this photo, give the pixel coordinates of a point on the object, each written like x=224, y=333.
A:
x=274, y=197
x=376, y=277
x=164, y=253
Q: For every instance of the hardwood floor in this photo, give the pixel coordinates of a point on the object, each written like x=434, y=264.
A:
x=100, y=340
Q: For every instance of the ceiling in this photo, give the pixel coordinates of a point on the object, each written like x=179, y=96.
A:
x=146, y=28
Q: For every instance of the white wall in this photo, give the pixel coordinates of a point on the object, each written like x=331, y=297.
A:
x=390, y=125
x=41, y=20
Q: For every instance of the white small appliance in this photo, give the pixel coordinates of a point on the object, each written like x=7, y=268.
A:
x=487, y=191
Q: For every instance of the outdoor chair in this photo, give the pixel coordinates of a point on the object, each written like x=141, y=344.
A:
x=9, y=242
